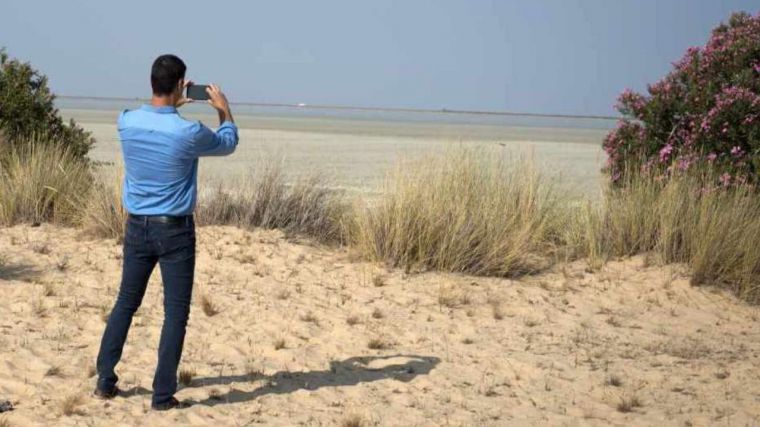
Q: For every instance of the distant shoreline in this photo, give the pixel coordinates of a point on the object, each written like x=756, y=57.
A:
x=369, y=108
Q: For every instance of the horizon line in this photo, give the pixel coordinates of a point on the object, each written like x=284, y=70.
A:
x=370, y=108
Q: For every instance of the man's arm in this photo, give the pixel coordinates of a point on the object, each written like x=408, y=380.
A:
x=225, y=139
x=206, y=142
x=219, y=102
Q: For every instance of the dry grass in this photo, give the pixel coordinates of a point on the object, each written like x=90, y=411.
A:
x=379, y=343
x=629, y=403
x=714, y=231
x=304, y=205
x=186, y=376
x=54, y=371
x=104, y=215
x=353, y=320
x=378, y=281
x=208, y=305
x=310, y=318
x=70, y=404
x=614, y=381
x=452, y=297
x=42, y=182
x=468, y=211
x=354, y=420
x=48, y=289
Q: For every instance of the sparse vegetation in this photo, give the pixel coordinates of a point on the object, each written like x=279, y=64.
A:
x=683, y=220
x=306, y=205
x=628, y=403
x=91, y=370
x=103, y=214
x=452, y=297
x=310, y=317
x=42, y=182
x=466, y=211
x=519, y=226
x=70, y=404
x=378, y=281
x=186, y=376
x=354, y=420
x=378, y=343
x=353, y=320
x=210, y=308
x=54, y=371
x=614, y=381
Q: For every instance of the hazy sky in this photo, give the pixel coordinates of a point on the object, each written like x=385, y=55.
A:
x=548, y=56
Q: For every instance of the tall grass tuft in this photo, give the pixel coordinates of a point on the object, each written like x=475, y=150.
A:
x=42, y=182
x=305, y=206
x=103, y=214
x=680, y=220
x=468, y=210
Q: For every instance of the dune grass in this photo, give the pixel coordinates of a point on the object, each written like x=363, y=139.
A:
x=41, y=182
x=268, y=199
x=103, y=214
x=684, y=219
x=468, y=210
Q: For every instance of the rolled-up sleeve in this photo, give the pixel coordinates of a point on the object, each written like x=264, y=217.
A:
x=206, y=142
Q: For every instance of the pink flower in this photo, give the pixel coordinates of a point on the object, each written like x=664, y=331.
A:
x=665, y=153
x=711, y=157
x=737, y=151
x=725, y=179
x=684, y=163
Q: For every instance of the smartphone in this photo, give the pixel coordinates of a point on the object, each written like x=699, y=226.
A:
x=197, y=92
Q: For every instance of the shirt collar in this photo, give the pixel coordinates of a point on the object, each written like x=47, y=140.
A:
x=167, y=109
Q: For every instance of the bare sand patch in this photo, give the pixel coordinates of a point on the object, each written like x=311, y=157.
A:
x=295, y=338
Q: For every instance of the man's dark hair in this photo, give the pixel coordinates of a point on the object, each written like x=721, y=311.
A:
x=167, y=70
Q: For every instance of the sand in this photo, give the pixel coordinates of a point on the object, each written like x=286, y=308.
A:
x=630, y=344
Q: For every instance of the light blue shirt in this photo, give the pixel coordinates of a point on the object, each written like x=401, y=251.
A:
x=161, y=151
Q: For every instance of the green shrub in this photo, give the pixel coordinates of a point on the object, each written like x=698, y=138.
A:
x=27, y=111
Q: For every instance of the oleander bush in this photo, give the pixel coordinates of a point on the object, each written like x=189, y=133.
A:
x=705, y=111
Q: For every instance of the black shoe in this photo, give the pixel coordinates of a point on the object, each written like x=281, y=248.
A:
x=106, y=393
x=170, y=404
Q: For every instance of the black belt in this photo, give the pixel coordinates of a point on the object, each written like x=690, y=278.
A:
x=163, y=219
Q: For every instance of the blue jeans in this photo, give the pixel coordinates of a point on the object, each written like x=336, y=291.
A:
x=146, y=243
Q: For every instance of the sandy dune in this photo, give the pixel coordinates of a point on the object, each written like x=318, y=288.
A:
x=628, y=345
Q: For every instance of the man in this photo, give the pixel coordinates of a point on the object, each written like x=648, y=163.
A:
x=161, y=151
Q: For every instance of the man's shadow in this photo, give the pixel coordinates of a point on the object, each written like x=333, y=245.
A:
x=347, y=372
x=23, y=272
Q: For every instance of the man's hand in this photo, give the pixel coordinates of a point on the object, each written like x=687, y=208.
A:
x=184, y=99
x=219, y=102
